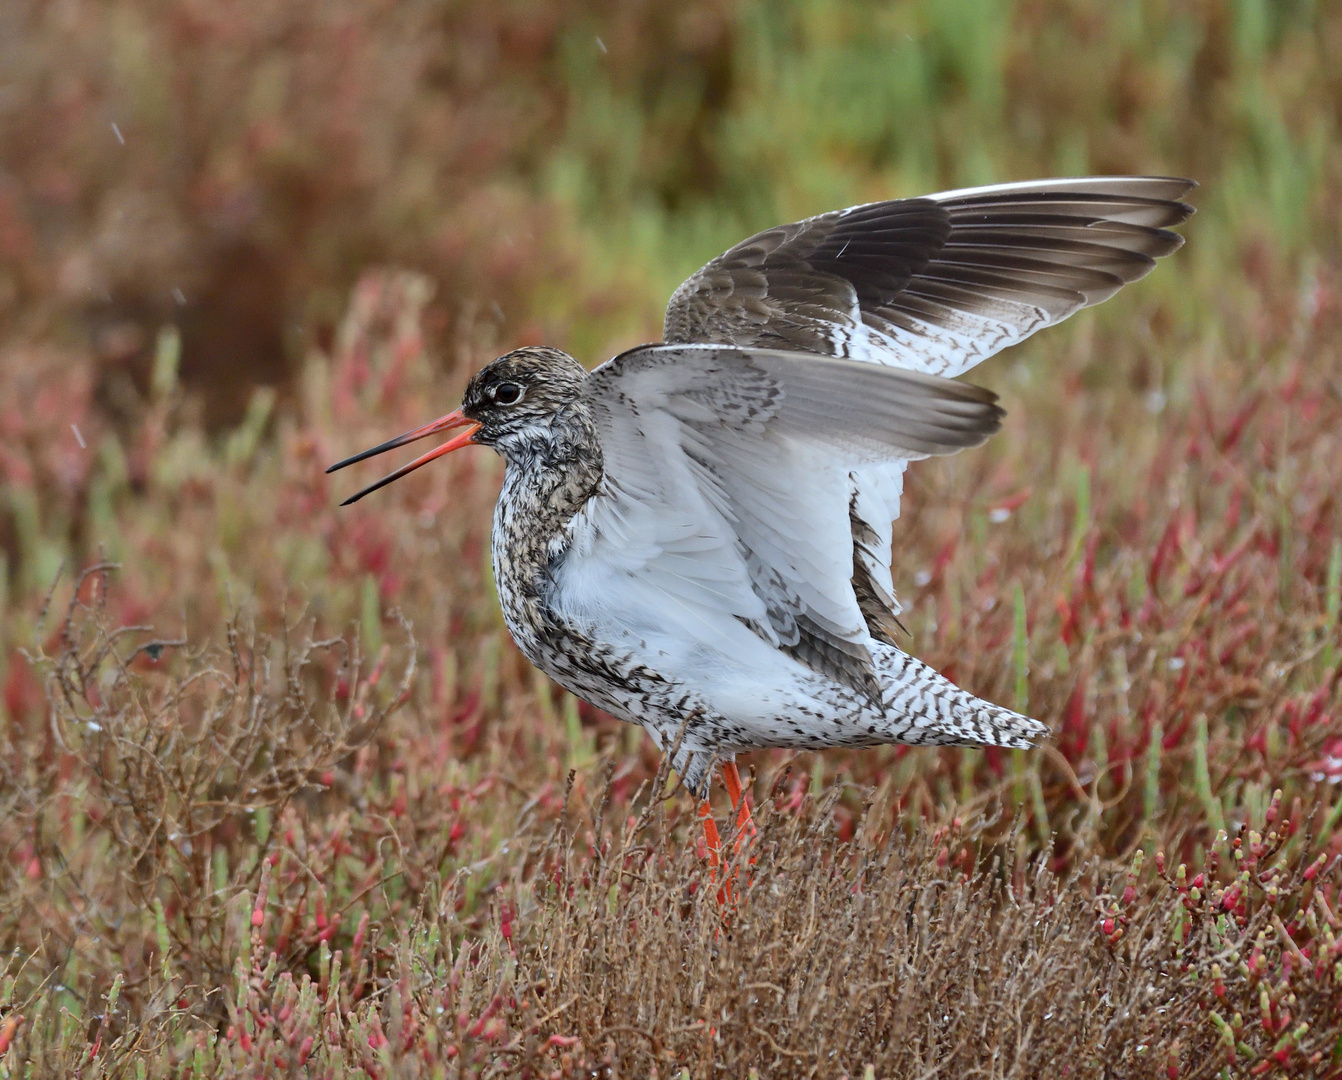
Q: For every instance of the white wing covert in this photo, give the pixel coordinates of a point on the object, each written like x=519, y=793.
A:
x=726, y=485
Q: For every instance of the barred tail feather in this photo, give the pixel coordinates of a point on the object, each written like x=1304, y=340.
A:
x=924, y=708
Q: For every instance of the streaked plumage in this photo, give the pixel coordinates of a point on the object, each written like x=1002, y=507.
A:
x=698, y=532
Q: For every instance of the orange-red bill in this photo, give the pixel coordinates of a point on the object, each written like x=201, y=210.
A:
x=445, y=423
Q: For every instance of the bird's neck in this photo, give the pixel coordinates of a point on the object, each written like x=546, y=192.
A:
x=546, y=482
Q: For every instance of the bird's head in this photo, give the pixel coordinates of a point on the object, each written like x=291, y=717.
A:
x=510, y=404
x=515, y=398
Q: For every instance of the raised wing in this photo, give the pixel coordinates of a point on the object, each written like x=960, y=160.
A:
x=935, y=284
x=726, y=490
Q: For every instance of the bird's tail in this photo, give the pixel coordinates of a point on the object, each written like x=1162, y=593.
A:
x=925, y=708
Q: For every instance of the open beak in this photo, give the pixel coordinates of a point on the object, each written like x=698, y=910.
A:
x=446, y=423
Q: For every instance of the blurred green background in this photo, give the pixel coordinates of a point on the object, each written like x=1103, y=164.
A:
x=191, y=191
x=556, y=168
x=240, y=239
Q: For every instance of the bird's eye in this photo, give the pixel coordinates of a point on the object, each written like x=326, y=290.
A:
x=508, y=393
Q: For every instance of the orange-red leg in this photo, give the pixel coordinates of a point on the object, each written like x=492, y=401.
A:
x=745, y=824
x=711, y=839
x=745, y=828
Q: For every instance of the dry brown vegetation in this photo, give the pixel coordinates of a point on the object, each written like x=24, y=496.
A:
x=277, y=795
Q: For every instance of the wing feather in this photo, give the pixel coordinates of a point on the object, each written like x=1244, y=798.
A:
x=935, y=285
x=1049, y=247
x=726, y=488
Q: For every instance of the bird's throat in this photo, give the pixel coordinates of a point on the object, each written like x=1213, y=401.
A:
x=542, y=492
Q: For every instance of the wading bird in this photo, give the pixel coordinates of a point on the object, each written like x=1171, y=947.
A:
x=695, y=536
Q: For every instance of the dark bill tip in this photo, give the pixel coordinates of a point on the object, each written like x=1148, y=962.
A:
x=380, y=448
